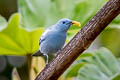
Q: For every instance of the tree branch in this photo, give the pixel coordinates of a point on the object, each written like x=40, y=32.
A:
x=80, y=41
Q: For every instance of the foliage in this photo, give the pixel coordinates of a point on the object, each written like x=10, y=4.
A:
x=39, y=13
x=111, y=40
x=15, y=40
x=43, y=13
x=103, y=65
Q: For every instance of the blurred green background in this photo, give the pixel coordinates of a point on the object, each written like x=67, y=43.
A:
x=23, y=21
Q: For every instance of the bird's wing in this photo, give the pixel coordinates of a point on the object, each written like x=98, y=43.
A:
x=45, y=34
x=42, y=38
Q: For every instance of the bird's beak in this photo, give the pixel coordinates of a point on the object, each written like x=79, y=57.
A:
x=76, y=23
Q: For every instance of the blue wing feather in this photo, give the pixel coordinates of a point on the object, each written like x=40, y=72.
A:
x=45, y=34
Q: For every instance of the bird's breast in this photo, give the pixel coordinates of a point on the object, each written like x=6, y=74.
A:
x=57, y=40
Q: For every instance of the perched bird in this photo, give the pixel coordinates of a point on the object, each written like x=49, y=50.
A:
x=53, y=39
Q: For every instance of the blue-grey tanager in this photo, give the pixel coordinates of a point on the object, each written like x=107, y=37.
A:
x=53, y=39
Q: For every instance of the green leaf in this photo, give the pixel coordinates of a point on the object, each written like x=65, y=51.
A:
x=83, y=55
x=84, y=10
x=102, y=66
x=111, y=40
x=91, y=72
x=15, y=40
x=39, y=13
x=110, y=62
x=73, y=70
x=116, y=77
x=32, y=12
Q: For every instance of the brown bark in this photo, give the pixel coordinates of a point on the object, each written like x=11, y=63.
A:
x=80, y=41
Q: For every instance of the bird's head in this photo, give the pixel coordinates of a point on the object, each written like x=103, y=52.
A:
x=64, y=24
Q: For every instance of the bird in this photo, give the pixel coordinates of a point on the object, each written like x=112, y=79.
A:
x=54, y=37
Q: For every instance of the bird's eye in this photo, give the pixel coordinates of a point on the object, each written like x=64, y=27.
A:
x=63, y=22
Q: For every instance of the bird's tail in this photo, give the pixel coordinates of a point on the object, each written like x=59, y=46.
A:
x=38, y=53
